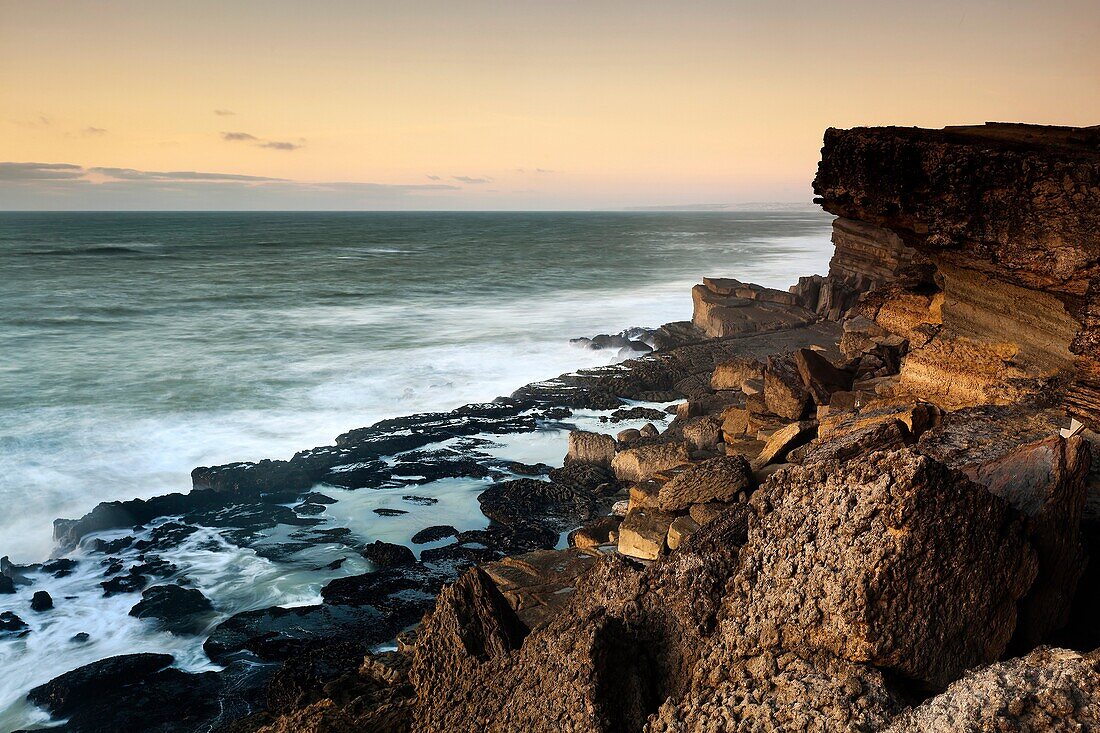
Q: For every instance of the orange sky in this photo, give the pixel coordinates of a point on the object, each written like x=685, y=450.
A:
x=506, y=104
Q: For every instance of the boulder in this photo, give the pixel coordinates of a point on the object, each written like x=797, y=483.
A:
x=886, y=435
x=629, y=435
x=586, y=447
x=638, y=464
x=65, y=694
x=643, y=531
x=819, y=375
x=12, y=625
x=733, y=373
x=715, y=479
x=831, y=540
x=704, y=513
x=703, y=433
x=433, y=534
x=784, y=392
x=526, y=500
x=1046, y=690
x=1045, y=481
x=649, y=430
x=41, y=601
x=7, y=585
x=721, y=316
x=179, y=610
x=680, y=529
x=602, y=531
x=782, y=441
x=645, y=494
x=386, y=554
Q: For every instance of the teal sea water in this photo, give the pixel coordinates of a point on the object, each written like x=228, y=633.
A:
x=136, y=346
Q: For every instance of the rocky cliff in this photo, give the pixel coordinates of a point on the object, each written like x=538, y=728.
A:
x=874, y=509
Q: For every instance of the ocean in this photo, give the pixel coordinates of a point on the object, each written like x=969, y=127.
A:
x=136, y=346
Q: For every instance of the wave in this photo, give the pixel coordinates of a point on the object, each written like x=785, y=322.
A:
x=112, y=250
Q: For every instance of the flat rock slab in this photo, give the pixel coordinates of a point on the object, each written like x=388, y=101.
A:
x=538, y=585
x=643, y=532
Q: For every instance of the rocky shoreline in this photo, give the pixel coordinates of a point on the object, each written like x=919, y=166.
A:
x=870, y=505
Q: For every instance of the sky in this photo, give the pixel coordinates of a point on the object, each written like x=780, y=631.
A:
x=514, y=105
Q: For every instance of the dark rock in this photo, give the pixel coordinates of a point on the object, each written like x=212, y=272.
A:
x=179, y=610
x=66, y=694
x=384, y=512
x=131, y=582
x=599, y=532
x=59, y=568
x=309, y=509
x=585, y=476
x=274, y=634
x=41, y=601
x=433, y=534
x=819, y=375
x=7, y=585
x=82, y=638
x=420, y=500
x=12, y=625
x=386, y=554
x=527, y=500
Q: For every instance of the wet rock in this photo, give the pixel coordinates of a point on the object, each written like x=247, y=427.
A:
x=131, y=582
x=309, y=509
x=643, y=531
x=365, y=474
x=433, y=534
x=12, y=625
x=7, y=585
x=420, y=500
x=274, y=634
x=716, y=479
x=586, y=447
x=603, y=531
x=1046, y=690
x=586, y=476
x=179, y=610
x=82, y=638
x=954, y=559
x=637, y=464
x=386, y=512
x=635, y=413
x=41, y=601
x=60, y=568
x=784, y=392
x=526, y=500
x=387, y=554
x=65, y=695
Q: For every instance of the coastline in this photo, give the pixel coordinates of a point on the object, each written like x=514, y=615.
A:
x=870, y=506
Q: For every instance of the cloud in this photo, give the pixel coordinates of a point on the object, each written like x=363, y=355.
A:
x=38, y=122
x=279, y=145
x=131, y=174
x=261, y=143
x=469, y=179
x=224, y=112
x=61, y=186
x=543, y=170
x=16, y=172
x=433, y=178
x=89, y=130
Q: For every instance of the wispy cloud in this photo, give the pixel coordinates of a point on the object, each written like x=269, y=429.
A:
x=433, y=178
x=89, y=130
x=471, y=179
x=224, y=112
x=69, y=186
x=543, y=170
x=16, y=172
x=279, y=145
x=233, y=137
x=37, y=122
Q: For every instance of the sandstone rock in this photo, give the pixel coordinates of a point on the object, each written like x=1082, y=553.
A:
x=747, y=447
x=643, y=531
x=1046, y=690
x=716, y=479
x=538, y=585
x=649, y=430
x=953, y=559
x=886, y=435
x=751, y=291
x=703, y=433
x=733, y=373
x=585, y=447
x=720, y=316
x=637, y=464
x=645, y=494
x=784, y=392
x=704, y=513
x=596, y=533
x=783, y=440
x=819, y=375
x=680, y=529
x=917, y=418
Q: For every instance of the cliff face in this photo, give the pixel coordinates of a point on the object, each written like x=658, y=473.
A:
x=1009, y=216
